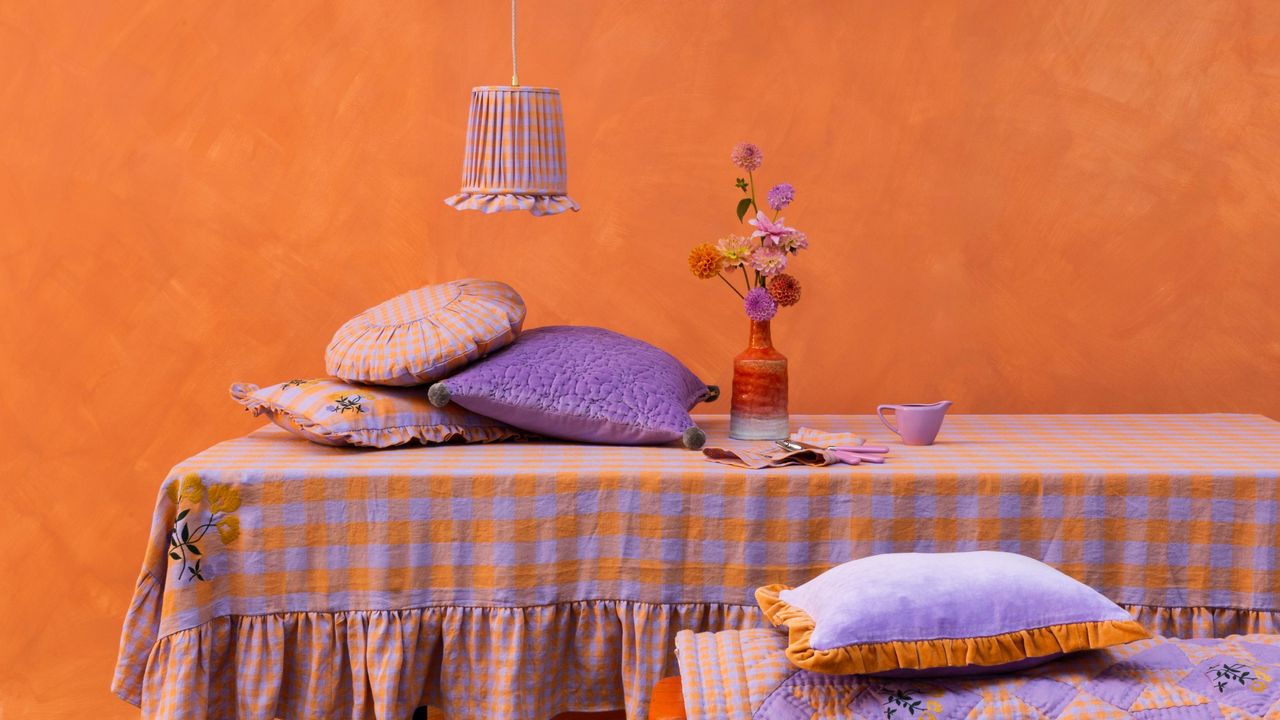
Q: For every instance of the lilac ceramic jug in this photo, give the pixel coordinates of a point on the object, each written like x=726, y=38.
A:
x=918, y=423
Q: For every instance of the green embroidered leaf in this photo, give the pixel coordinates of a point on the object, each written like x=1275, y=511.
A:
x=743, y=205
x=175, y=556
x=186, y=533
x=182, y=514
x=194, y=550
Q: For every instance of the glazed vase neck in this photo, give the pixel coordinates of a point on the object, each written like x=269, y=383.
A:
x=761, y=338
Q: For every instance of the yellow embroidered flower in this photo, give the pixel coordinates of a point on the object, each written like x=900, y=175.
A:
x=192, y=488
x=171, y=491
x=224, y=498
x=705, y=261
x=229, y=529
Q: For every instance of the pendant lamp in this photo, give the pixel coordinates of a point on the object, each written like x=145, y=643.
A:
x=515, y=148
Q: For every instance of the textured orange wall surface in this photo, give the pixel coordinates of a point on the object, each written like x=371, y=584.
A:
x=1021, y=206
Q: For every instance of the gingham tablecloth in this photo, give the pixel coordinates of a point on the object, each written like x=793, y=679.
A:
x=286, y=579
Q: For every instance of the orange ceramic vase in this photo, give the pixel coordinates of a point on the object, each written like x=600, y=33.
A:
x=759, y=407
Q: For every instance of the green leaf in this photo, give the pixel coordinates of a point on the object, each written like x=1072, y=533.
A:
x=194, y=550
x=743, y=206
x=175, y=556
x=182, y=514
x=186, y=533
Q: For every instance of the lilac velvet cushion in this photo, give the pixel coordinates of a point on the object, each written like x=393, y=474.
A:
x=943, y=613
x=583, y=383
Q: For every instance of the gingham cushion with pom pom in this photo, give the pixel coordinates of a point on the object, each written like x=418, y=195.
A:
x=425, y=334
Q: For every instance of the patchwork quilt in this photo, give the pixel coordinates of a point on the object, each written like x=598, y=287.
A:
x=744, y=675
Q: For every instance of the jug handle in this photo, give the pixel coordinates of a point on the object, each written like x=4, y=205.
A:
x=880, y=413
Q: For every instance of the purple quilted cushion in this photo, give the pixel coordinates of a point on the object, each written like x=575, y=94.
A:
x=583, y=383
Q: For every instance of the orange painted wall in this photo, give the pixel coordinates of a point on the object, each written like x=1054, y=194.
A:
x=1022, y=206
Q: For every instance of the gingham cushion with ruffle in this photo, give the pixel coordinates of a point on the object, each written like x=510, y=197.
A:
x=329, y=411
x=426, y=334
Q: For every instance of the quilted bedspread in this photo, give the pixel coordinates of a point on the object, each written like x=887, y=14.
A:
x=744, y=675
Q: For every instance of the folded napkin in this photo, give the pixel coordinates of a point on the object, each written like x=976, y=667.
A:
x=762, y=456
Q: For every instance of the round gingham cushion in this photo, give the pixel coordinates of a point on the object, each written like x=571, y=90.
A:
x=425, y=334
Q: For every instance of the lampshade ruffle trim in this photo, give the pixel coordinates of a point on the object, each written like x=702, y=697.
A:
x=489, y=203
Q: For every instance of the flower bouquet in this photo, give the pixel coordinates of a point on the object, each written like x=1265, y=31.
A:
x=759, y=400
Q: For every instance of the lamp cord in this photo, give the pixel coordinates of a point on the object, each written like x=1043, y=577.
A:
x=515, y=76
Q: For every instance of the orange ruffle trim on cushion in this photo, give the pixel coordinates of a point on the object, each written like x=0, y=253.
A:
x=867, y=658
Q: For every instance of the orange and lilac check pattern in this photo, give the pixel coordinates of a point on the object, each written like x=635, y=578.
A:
x=554, y=576
x=515, y=157
x=741, y=675
x=425, y=334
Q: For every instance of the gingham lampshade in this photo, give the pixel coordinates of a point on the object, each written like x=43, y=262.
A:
x=515, y=152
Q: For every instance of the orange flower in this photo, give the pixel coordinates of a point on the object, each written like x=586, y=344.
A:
x=785, y=289
x=705, y=261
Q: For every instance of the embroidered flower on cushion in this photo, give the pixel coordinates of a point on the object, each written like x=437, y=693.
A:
x=1224, y=674
x=902, y=700
x=298, y=383
x=346, y=403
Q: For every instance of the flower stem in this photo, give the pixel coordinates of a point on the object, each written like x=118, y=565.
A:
x=745, y=279
x=731, y=287
x=751, y=181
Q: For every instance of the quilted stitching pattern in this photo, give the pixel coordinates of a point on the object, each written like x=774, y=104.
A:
x=1156, y=679
x=424, y=334
x=583, y=383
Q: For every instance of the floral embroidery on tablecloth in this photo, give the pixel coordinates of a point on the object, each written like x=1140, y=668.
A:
x=185, y=537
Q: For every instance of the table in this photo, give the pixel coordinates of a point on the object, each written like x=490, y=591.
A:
x=524, y=580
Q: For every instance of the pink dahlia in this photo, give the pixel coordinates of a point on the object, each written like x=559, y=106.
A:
x=769, y=260
x=760, y=305
x=795, y=242
x=770, y=230
x=735, y=251
x=747, y=156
